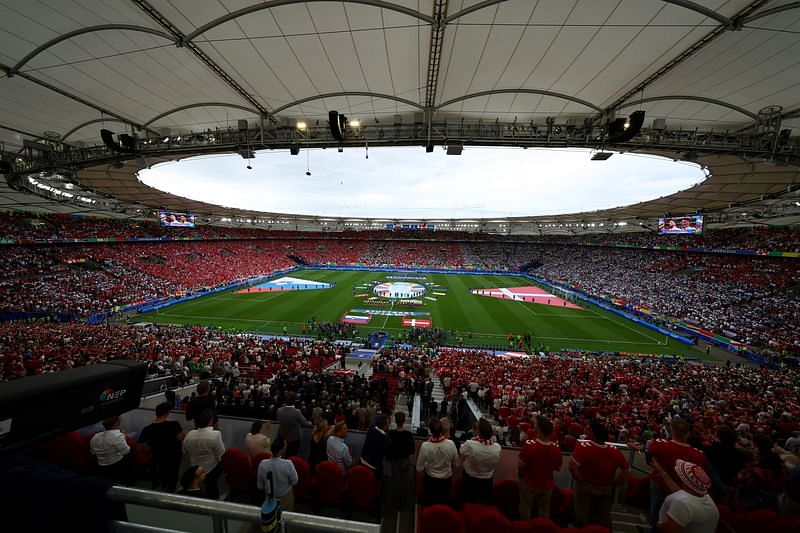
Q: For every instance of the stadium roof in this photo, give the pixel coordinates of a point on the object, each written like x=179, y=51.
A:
x=181, y=65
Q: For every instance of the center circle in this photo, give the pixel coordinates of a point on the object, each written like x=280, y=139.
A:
x=399, y=289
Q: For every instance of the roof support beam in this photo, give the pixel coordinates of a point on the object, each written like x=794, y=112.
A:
x=78, y=99
x=276, y=3
x=695, y=99
x=180, y=38
x=472, y=9
x=434, y=62
x=688, y=4
x=521, y=91
x=768, y=12
x=346, y=93
x=202, y=104
x=710, y=13
x=89, y=123
x=686, y=54
x=81, y=31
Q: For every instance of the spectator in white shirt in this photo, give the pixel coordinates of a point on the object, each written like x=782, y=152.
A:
x=205, y=448
x=438, y=458
x=481, y=455
x=688, y=508
x=112, y=452
x=338, y=450
x=257, y=440
x=284, y=476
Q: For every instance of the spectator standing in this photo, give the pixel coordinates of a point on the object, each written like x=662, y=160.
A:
x=284, y=475
x=401, y=449
x=376, y=446
x=257, y=440
x=688, y=507
x=594, y=466
x=438, y=458
x=164, y=438
x=337, y=448
x=205, y=448
x=201, y=402
x=538, y=460
x=725, y=458
x=291, y=420
x=667, y=453
x=112, y=452
x=481, y=455
x=319, y=442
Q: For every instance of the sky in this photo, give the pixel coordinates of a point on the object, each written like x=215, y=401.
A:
x=407, y=183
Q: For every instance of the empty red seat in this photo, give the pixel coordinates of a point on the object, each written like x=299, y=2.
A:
x=363, y=487
x=506, y=498
x=536, y=525
x=483, y=518
x=238, y=473
x=441, y=519
x=331, y=483
x=305, y=482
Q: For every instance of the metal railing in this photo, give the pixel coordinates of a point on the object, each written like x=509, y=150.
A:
x=220, y=512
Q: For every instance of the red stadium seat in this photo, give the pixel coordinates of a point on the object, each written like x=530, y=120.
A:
x=561, y=509
x=536, y=525
x=363, y=487
x=483, y=518
x=305, y=483
x=238, y=472
x=256, y=460
x=506, y=498
x=331, y=484
x=441, y=519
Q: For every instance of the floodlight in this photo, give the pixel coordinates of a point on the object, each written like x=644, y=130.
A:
x=355, y=123
x=301, y=125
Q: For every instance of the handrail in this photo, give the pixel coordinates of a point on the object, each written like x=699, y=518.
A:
x=232, y=511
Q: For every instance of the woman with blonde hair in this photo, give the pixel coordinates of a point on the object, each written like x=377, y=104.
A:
x=319, y=442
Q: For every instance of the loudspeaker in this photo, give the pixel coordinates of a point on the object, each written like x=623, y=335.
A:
x=338, y=125
x=128, y=143
x=294, y=150
x=5, y=167
x=618, y=133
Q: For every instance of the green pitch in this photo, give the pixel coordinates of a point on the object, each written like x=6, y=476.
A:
x=472, y=319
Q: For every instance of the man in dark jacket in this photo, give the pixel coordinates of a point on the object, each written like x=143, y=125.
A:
x=376, y=445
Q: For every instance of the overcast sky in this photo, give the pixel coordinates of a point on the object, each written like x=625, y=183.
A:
x=408, y=183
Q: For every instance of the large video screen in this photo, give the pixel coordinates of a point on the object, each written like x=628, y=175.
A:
x=689, y=225
x=176, y=220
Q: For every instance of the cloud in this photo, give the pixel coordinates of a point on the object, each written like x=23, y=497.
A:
x=408, y=183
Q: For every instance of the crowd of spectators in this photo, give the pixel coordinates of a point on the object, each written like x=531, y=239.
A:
x=24, y=226
x=750, y=299
x=34, y=347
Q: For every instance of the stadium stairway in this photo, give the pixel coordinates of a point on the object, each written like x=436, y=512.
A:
x=438, y=391
x=627, y=520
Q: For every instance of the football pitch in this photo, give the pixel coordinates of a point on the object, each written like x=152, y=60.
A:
x=471, y=319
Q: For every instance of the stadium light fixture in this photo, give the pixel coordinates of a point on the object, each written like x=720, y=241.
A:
x=355, y=123
x=301, y=125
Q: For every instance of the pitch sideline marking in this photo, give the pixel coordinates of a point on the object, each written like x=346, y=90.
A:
x=625, y=326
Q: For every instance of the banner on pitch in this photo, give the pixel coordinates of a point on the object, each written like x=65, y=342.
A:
x=417, y=322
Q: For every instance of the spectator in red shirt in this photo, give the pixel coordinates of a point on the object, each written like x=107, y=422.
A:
x=538, y=460
x=594, y=466
x=667, y=453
